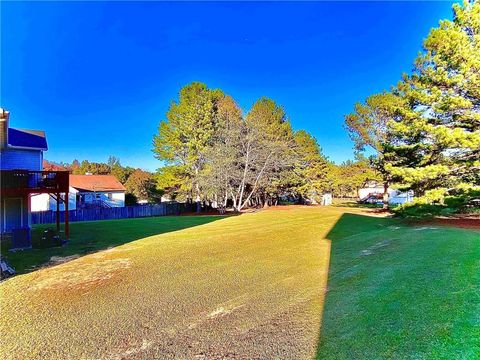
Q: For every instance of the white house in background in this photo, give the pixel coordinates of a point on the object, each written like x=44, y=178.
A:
x=86, y=191
x=98, y=191
x=43, y=202
x=374, y=190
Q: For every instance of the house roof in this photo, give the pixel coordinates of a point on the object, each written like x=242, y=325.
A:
x=51, y=166
x=34, y=139
x=96, y=183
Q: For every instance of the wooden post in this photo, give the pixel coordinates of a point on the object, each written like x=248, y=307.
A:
x=58, y=212
x=67, y=225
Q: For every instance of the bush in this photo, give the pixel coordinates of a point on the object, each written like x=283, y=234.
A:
x=442, y=202
x=462, y=199
x=418, y=210
x=130, y=199
x=430, y=205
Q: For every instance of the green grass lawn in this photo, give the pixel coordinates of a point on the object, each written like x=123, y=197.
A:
x=88, y=237
x=401, y=292
x=292, y=282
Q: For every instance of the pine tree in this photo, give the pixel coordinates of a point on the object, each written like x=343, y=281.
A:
x=309, y=176
x=187, y=132
x=436, y=141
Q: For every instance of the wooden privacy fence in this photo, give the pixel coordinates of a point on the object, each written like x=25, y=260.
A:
x=127, y=212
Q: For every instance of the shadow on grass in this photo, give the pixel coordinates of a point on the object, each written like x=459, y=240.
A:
x=397, y=291
x=93, y=236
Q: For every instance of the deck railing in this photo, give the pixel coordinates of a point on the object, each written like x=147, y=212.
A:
x=18, y=182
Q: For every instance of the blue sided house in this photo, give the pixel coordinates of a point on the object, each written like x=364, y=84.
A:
x=21, y=176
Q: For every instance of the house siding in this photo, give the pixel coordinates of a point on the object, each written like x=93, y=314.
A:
x=396, y=197
x=117, y=197
x=364, y=192
x=40, y=202
x=44, y=202
x=7, y=222
x=21, y=159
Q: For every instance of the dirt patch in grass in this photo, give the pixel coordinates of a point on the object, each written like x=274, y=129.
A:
x=466, y=222
x=289, y=207
x=57, y=260
x=209, y=213
x=81, y=275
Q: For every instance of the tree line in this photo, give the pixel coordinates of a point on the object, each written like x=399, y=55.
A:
x=425, y=132
x=342, y=180
x=213, y=153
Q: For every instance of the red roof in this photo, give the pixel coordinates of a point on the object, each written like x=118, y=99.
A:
x=50, y=166
x=96, y=183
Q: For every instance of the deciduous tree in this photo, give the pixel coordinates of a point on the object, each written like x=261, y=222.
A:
x=143, y=185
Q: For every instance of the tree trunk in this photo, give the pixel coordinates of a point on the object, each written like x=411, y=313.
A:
x=265, y=202
x=234, y=199
x=197, y=190
x=225, y=200
x=385, y=195
x=240, y=205
x=198, y=205
x=242, y=183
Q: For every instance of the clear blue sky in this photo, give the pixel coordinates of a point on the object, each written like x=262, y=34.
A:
x=98, y=77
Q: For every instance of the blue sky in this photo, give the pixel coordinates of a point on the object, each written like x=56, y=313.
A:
x=98, y=77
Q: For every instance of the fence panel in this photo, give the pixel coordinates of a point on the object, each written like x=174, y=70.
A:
x=127, y=212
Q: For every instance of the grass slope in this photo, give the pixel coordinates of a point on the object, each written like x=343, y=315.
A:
x=253, y=286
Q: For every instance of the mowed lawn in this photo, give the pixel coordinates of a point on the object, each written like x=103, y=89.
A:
x=88, y=237
x=291, y=282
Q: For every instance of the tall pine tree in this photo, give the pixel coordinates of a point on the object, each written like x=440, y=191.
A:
x=436, y=142
x=187, y=132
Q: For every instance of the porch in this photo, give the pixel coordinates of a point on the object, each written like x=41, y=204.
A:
x=17, y=186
